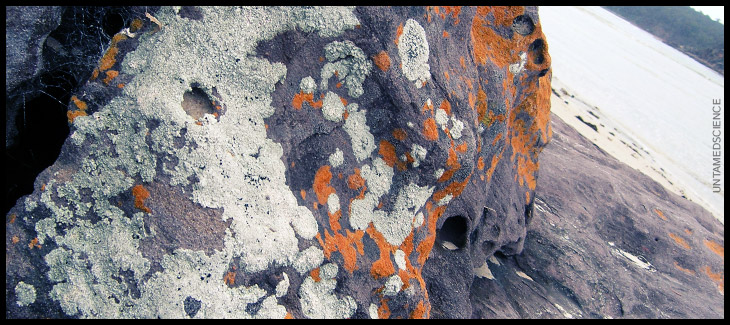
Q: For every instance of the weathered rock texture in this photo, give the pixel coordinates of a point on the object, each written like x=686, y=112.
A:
x=289, y=162
x=606, y=241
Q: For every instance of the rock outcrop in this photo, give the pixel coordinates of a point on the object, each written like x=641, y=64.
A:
x=606, y=241
x=289, y=162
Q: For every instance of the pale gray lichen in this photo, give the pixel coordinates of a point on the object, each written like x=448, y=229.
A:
x=332, y=107
x=308, y=259
x=319, y=300
x=337, y=158
x=350, y=63
x=441, y=118
x=457, y=127
x=25, y=294
x=238, y=169
x=516, y=68
x=363, y=142
x=396, y=224
x=283, y=286
x=373, y=311
x=418, y=153
x=326, y=21
x=400, y=259
x=414, y=52
x=392, y=285
x=307, y=85
x=333, y=203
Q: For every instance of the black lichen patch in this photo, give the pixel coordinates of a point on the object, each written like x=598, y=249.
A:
x=191, y=12
x=191, y=305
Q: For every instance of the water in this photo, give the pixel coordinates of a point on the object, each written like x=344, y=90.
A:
x=658, y=95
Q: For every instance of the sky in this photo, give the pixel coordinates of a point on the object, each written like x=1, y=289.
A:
x=714, y=12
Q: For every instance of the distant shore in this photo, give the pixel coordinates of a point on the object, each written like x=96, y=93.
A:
x=592, y=124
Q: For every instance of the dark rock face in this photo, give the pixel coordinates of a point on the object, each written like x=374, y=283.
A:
x=289, y=162
x=26, y=30
x=606, y=241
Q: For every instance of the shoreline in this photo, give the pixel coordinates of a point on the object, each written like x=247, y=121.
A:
x=590, y=122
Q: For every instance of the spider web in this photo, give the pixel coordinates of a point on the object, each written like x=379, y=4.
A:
x=36, y=121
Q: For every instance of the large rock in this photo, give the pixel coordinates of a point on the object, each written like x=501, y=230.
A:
x=606, y=242
x=288, y=162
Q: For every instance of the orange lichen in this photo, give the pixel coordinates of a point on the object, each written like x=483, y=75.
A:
x=430, y=131
x=72, y=115
x=121, y=85
x=15, y=240
x=34, y=243
x=399, y=134
x=355, y=181
x=111, y=74
x=718, y=278
x=79, y=103
x=140, y=195
x=715, y=248
x=303, y=193
x=680, y=241
x=398, y=32
x=288, y=316
x=230, y=278
x=488, y=45
x=688, y=271
x=445, y=34
x=12, y=218
x=660, y=214
x=315, y=275
x=446, y=106
x=454, y=189
x=480, y=163
x=419, y=312
x=387, y=150
x=382, y=60
x=338, y=85
x=321, y=184
x=461, y=61
x=383, y=267
x=301, y=97
x=348, y=245
x=462, y=147
x=136, y=25
x=109, y=58
x=383, y=310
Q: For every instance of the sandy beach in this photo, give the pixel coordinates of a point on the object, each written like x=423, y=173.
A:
x=590, y=122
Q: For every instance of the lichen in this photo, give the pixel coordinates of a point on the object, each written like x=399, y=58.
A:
x=229, y=163
x=363, y=142
x=25, y=294
x=413, y=50
x=349, y=63
x=337, y=158
x=307, y=85
x=319, y=300
x=332, y=107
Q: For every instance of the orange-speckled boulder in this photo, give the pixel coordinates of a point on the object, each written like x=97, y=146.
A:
x=289, y=162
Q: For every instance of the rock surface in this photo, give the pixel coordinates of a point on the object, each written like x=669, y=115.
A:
x=605, y=242
x=288, y=162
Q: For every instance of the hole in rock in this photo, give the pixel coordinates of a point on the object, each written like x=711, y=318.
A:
x=197, y=103
x=452, y=234
x=523, y=25
x=537, y=51
x=42, y=127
